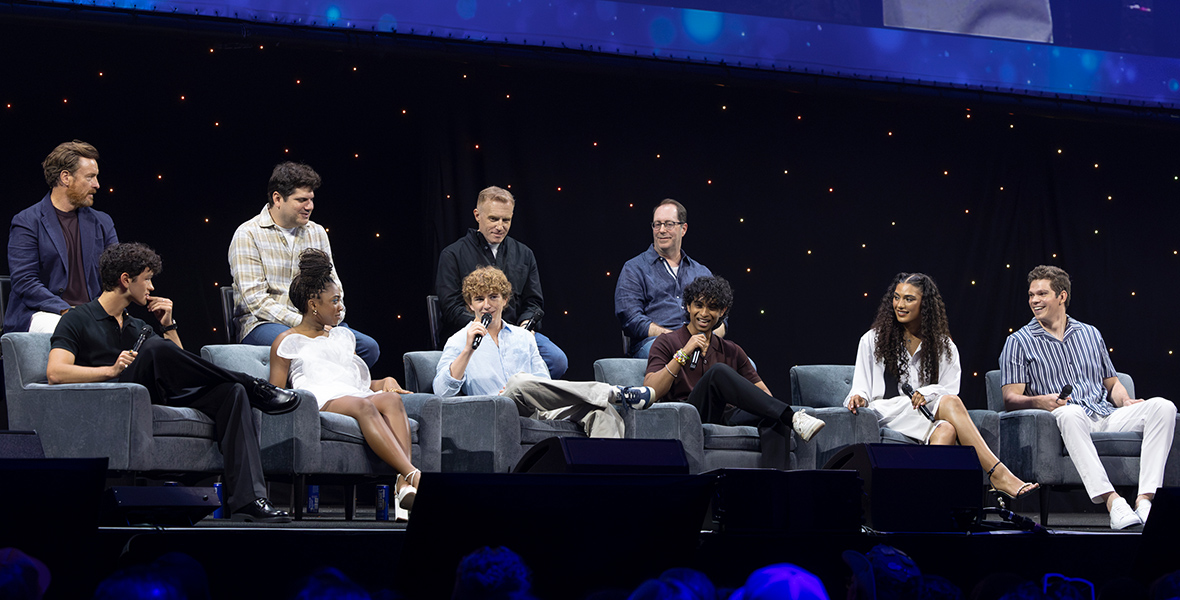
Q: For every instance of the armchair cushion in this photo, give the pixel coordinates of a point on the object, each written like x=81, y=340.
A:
x=722, y=437
x=533, y=431
x=182, y=422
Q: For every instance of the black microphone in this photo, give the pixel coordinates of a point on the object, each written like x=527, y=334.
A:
x=143, y=333
x=909, y=391
x=536, y=318
x=1065, y=392
x=486, y=319
x=696, y=356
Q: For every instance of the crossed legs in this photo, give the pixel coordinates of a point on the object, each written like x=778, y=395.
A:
x=959, y=426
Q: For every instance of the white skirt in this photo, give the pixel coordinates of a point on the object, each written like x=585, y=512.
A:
x=898, y=413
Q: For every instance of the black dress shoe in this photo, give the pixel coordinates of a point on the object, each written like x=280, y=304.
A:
x=271, y=399
x=261, y=511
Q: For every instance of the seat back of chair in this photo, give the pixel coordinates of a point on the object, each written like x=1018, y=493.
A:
x=420, y=368
x=820, y=386
x=620, y=371
x=229, y=325
x=25, y=357
x=251, y=360
x=995, y=393
x=434, y=319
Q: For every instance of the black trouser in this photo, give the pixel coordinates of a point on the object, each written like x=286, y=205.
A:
x=721, y=386
x=175, y=377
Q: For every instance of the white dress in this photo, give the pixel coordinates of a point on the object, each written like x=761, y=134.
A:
x=898, y=413
x=326, y=366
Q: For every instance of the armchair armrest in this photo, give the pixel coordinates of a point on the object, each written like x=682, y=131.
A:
x=426, y=409
x=480, y=434
x=669, y=421
x=291, y=442
x=842, y=428
x=988, y=424
x=1031, y=445
x=88, y=420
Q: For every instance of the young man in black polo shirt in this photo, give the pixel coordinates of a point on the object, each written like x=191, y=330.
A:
x=96, y=342
x=723, y=386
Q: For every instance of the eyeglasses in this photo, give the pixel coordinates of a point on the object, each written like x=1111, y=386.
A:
x=657, y=225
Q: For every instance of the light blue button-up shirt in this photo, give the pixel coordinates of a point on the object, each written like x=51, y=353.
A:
x=490, y=365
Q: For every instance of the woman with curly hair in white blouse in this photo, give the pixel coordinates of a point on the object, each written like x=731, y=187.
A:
x=907, y=370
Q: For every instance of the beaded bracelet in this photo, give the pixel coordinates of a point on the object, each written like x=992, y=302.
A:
x=681, y=357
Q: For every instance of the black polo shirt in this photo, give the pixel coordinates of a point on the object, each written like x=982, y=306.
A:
x=94, y=337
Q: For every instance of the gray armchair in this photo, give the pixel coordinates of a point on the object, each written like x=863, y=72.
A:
x=824, y=388
x=308, y=445
x=708, y=445
x=115, y=420
x=487, y=433
x=1031, y=446
x=480, y=434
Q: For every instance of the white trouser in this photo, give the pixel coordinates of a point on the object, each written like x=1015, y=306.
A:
x=585, y=402
x=44, y=322
x=1155, y=418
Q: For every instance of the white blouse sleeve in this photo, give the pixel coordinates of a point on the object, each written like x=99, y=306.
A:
x=863, y=372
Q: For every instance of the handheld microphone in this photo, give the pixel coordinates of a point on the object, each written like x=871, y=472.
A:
x=696, y=356
x=143, y=333
x=909, y=391
x=1065, y=392
x=536, y=318
x=486, y=319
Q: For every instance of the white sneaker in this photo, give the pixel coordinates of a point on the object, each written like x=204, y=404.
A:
x=806, y=425
x=1143, y=509
x=1121, y=515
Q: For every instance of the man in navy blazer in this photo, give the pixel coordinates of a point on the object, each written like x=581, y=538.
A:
x=54, y=245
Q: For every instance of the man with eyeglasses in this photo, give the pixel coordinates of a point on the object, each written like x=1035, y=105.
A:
x=489, y=245
x=648, y=295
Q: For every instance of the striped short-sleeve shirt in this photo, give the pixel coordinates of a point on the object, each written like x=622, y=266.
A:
x=1045, y=364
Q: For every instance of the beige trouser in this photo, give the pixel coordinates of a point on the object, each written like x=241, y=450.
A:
x=585, y=402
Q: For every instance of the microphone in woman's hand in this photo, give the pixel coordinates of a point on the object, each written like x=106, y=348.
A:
x=909, y=391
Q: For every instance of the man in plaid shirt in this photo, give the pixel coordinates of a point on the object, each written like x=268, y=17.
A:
x=264, y=257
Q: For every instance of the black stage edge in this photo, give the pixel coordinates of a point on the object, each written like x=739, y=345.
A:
x=581, y=533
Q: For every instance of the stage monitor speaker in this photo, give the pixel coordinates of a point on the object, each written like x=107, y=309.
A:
x=631, y=525
x=1157, y=550
x=171, y=505
x=769, y=500
x=48, y=499
x=592, y=455
x=908, y=487
x=20, y=444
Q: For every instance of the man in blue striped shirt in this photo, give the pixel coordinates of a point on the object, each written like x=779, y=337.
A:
x=1054, y=350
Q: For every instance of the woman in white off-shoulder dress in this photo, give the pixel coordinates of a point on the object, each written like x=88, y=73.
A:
x=317, y=356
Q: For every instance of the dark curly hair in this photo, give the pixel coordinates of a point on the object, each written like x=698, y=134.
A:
x=315, y=273
x=130, y=258
x=290, y=176
x=934, y=331
x=713, y=292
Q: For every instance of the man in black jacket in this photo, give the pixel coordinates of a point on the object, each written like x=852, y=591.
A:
x=490, y=246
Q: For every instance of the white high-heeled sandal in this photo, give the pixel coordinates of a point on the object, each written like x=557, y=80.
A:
x=406, y=493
